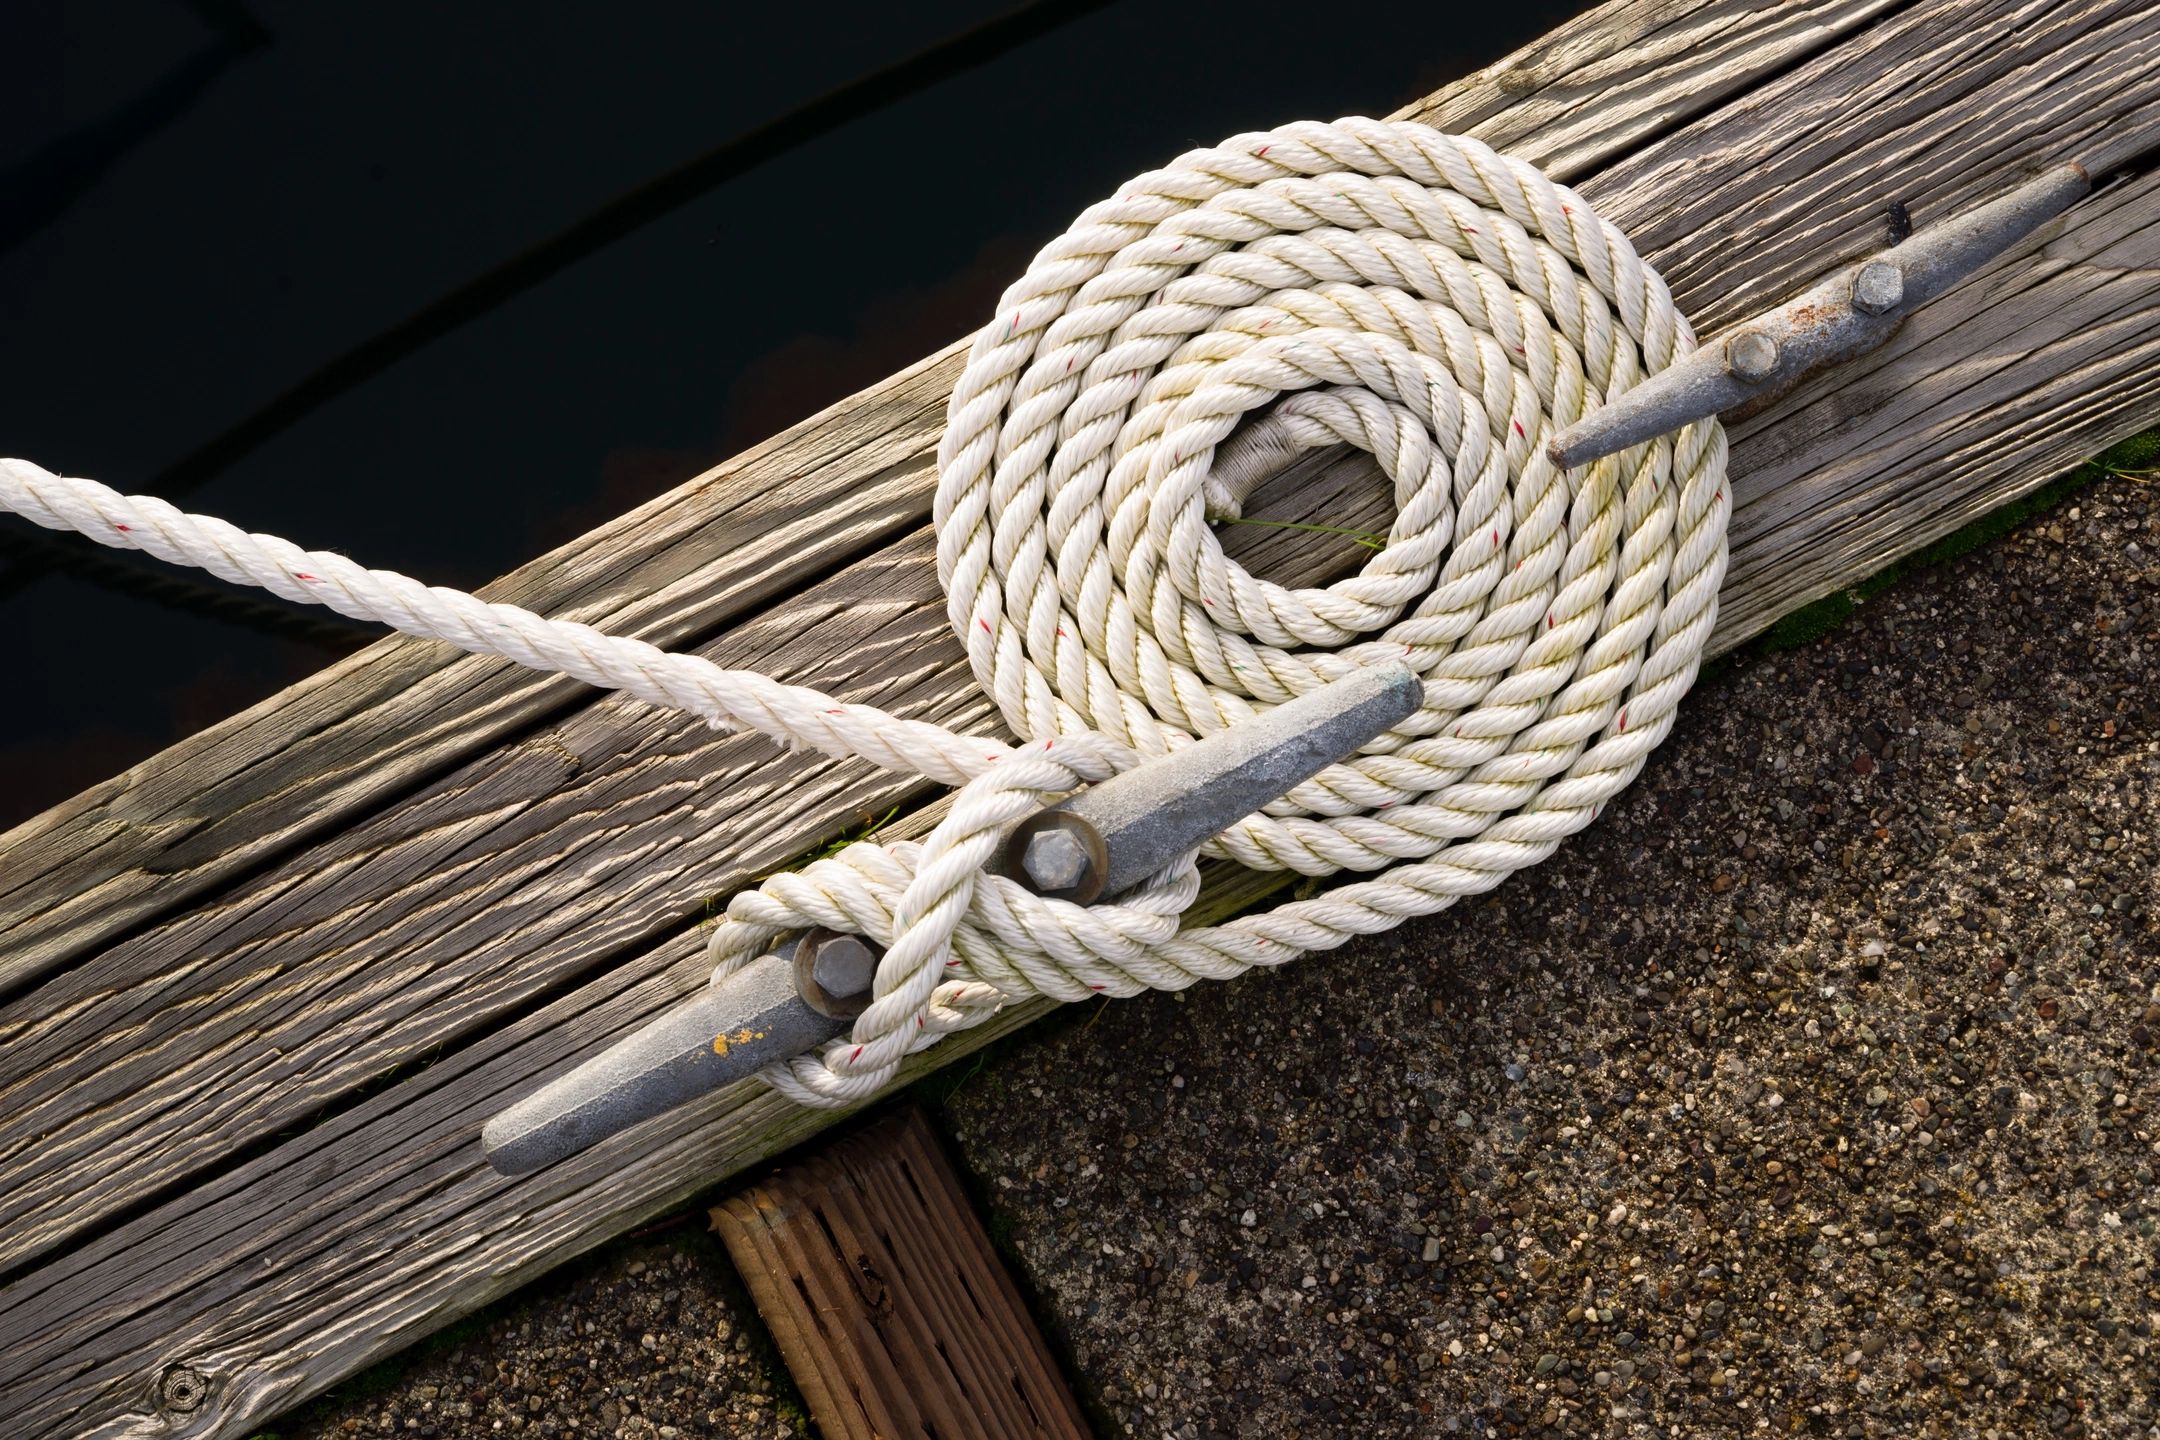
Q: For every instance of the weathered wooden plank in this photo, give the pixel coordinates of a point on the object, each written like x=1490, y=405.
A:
x=141, y=1066
x=402, y=1162
x=886, y=1299
x=183, y=1283
x=1921, y=115
x=1871, y=463
x=1973, y=405
x=325, y=751
x=1814, y=507
x=1594, y=89
x=147, y=1063
x=754, y=528
x=179, y=1020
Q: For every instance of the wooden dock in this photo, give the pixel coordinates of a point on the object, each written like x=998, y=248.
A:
x=258, y=993
x=887, y=1300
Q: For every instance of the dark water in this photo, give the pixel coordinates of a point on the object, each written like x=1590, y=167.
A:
x=223, y=224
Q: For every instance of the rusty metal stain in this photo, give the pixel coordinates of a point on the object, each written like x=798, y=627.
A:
x=742, y=1036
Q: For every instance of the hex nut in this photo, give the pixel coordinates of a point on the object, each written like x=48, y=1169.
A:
x=1055, y=860
x=1751, y=355
x=1878, y=287
x=844, y=966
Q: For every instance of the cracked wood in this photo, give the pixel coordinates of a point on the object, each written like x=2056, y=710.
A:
x=520, y=911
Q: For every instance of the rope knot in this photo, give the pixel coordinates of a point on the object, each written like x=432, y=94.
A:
x=1367, y=283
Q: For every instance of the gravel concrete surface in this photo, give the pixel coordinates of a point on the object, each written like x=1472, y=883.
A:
x=1809, y=1092
x=650, y=1338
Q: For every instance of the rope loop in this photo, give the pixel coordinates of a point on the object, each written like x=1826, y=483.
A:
x=1381, y=285
x=1370, y=283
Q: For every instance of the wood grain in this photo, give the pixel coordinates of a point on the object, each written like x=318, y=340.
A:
x=522, y=910
x=752, y=530
x=885, y=1298
x=513, y=876
x=519, y=872
x=526, y=870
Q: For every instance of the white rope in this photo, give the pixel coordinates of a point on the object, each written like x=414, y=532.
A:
x=1381, y=284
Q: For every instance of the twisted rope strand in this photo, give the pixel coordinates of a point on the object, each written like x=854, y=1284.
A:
x=1378, y=284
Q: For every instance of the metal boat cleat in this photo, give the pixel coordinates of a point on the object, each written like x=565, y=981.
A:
x=1109, y=837
x=1098, y=842
x=1852, y=312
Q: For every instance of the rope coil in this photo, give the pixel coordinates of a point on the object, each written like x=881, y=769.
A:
x=1379, y=284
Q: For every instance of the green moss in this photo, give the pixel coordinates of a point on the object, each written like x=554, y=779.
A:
x=1991, y=526
x=2137, y=458
x=2134, y=456
x=848, y=837
x=1810, y=622
x=2132, y=459
x=998, y=1225
x=716, y=905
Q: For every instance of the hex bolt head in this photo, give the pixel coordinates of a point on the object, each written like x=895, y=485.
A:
x=1752, y=356
x=1878, y=287
x=844, y=966
x=1055, y=860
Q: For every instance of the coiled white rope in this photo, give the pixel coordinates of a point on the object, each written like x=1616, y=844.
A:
x=1410, y=293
